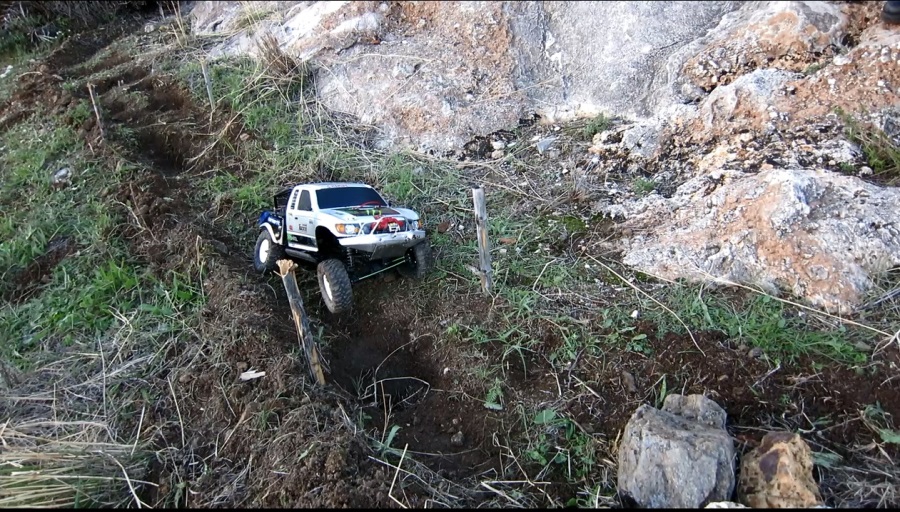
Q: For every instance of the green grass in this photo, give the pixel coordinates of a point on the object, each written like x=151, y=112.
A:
x=812, y=68
x=99, y=279
x=756, y=320
x=596, y=125
x=643, y=186
x=881, y=154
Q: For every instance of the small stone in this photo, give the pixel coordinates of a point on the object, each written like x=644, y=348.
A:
x=61, y=176
x=242, y=366
x=841, y=60
x=149, y=27
x=755, y=353
x=832, y=81
x=743, y=348
x=498, y=144
x=544, y=144
x=244, y=137
x=863, y=346
x=628, y=381
x=458, y=439
x=498, y=154
x=865, y=170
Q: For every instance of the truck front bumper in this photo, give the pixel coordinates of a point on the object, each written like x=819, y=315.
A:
x=388, y=245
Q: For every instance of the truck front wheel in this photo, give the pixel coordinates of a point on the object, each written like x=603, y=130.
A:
x=334, y=283
x=419, y=260
x=267, y=253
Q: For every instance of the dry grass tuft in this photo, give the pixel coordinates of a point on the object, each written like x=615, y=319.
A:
x=278, y=63
x=66, y=464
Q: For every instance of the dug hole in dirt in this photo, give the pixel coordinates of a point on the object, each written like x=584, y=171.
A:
x=279, y=442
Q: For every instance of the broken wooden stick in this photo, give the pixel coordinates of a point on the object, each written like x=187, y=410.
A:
x=205, y=69
x=90, y=87
x=301, y=321
x=484, y=245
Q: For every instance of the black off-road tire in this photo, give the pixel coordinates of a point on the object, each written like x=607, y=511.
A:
x=334, y=283
x=419, y=261
x=266, y=260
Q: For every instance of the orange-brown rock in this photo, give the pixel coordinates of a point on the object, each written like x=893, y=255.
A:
x=778, y=474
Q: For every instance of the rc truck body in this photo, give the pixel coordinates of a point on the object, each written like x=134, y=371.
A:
x=348, y=230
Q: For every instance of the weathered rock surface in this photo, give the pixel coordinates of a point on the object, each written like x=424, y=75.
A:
x=819, y=235
x=725, y=504
x=435, y=74
x=669, y=460
x=783, y=35
x=778, y=474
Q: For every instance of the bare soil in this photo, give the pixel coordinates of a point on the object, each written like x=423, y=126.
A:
x=279, y=442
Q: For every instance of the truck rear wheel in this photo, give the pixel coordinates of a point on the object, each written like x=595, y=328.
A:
x=334, y=283
x=267, y=253
x=419, y=260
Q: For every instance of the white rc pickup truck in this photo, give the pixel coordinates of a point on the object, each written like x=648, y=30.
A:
x=348, y=230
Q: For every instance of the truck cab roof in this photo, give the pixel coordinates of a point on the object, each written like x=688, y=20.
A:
x=320, y=185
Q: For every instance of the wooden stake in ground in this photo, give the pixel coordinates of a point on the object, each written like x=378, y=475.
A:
x=301, y=321
x=205, y=69
x=484, y=245
x=90, y=87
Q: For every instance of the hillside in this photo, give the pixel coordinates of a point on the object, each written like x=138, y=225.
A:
x=683, y=198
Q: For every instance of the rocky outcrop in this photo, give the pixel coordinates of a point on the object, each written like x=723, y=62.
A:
x=435, y=74
x=677, y=457
x=778, y=474
x=816, y=234
x=782, y=35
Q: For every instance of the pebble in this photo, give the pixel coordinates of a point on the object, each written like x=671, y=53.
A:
x=458, y=439
x=61, y=176
x=841, y=60
x=865, y=170
x=498, y=154
x=755, y=352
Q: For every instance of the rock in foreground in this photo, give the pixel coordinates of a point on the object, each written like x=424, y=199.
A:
x=673, y=461
x=778, y=474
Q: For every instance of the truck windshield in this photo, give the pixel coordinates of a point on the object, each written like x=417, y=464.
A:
x=348, y=196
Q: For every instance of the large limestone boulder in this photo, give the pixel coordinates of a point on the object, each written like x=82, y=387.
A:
x=677, y=457
x=778, y=474
x=816, y=234
x=434, y=74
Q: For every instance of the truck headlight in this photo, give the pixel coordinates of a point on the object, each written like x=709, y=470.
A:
x=347, y=229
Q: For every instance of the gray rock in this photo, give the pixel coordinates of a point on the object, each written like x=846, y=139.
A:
x=544, y=144
x=666, y=460
x=725, y=504
x=697, y=408
x=817, y=234
x=61, y=177
x=458, y=439
x=642, y=140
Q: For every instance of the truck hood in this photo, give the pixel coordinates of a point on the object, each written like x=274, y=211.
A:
x=366, y=215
